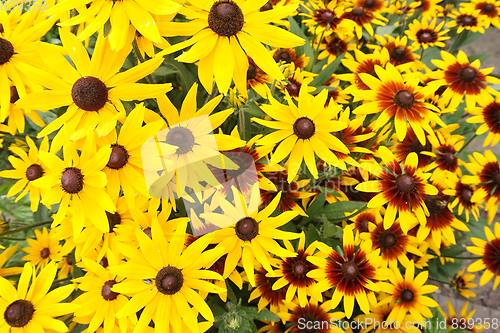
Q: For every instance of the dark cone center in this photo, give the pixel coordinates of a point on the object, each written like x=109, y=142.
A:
x=488, y=8
x=435, y=204
x=266, y=7
x=358, y=11
x=467, y=20
x=468, y=74
x=460, y=283
x=285, y=57
x=293, y=89
x=251, y=71
x=14, y=95
x=89, y=93
x=299, y=269
x=107, y=293
x=33, y=172
x=45, y=253
x=466, y=195
x=450, y=158
x=304, y=128
x=497, y=178
x=114, y=219
x=350, y=270
x=182, y=138
x=104, y=262
x=417, y=147
x=498, y=257
x=388, y=239
x=72, y=180
x=225, y=18
x=407, y=295
x=425, y=37
x=328, y=16
x=6, y=50
x=118, y=158
x=147, y=231
x=309, y=321
x=247, y=229
x=398, y=54
x=405, y=183
x=412, y=256
x=169, y=280
x=364, y=225
x=1, y=29
x=19, y=313
x=404, y=99
x=369, y=4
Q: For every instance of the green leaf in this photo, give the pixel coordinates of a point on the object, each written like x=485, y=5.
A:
x=329, y=229
x=267, y=315
x=453, y=251
x=459, y=330
x=314, y=208
x=338, y=209
x=385, y=30
x=481, y=57
x=107, y=28
x=312, y=235
x=327, y=73
x=186, y=78
x=230, y=293
x=296, y=30
x=437, y=324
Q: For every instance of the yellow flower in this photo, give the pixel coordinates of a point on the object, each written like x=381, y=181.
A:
x=44, y=249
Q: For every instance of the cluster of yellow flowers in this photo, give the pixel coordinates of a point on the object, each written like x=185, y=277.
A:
x=319, y=186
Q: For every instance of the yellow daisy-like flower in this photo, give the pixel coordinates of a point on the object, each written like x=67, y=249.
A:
x=120, y=14
x=78, y=182
x=4, y=256
x=490, y=252
x=489, y=10
x=162, y=276
x=408, y=294
x=303, y=131
x=224, y=32
x=44, y=249
x=468, y=19
x=464, y=321
x=425, y=34
x=17, y=122
x=462, y=283
x=488, y=115
x=27, y=168
x=27, y=310
x=326, y=18
x=463, y=193
x=93, y=91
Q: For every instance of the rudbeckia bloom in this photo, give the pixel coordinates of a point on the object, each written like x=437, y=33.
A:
x=462, y=283
x=489, y=9
x=488, y=116
x=27, y=310
x=462, y=321
x=462, y=77
x=162, y=277
x=404, y=100
x=93, y=91
x=402, y=187
x=468, y=19
x=351, y=273
x=312, y=317
x=408, y=294
x=363, y=19
x=27, y=168
x=425, y=34
x=224, y=32
x=326, y=18
x=44, y=249
x=274, y=298
x=463, y=194
x=444, y=157
x=120, y=14
x=17, y=122
x=303, y=131
x=490, y=252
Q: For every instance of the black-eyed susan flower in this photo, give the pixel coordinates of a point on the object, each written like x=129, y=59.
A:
x=463, y=194
x=408, y=294
x=429, y=8
x=16, y=121
x=411, y=144
x=289, y=56
x=488, y=115
x=444, y=157
x=27, y=168
x=486, y=177
x=4, y=257
x=332, y=46
x=303, y=131
x=363, y=19
x=403, y=188
x=93, y=91
x=462, y=77
x=78, y=182
x=268, y=297
x=400, y=53
x=294, y=82
x=32, y=308
x=489, y=10
x=462, y=283
x=223, y=33
x=65, y=267
x=258, y=79
x=400, y=99
x=120, y=14
x=462, y=320
x=352, y=274
x=313, y=317
x=44, y=249
x=489, y=250
x=162, y=278
x=426, y=34
x=466, y=18
x=326, y=18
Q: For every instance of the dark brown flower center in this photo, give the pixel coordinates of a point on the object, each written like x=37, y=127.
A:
x=404, y=99
x=104, y=262
x=460, y=283
x=488, y=8
x=247, y=229
x=181, y=137
x=72, y=180
x=369, y=4
x=304, y=128
x=497, y=178
x=293, y=89
x=169, y=280
x=33, y=172
x=466, y=195
x=45, y=253
x=14, y=95
x=398, y=53
x=498, y=257
x=6, y=50
x=1, y=29
x=69, y=261
x=364, y=225
x=435, y=204
x=147, y=231
x=358, y=11
x=114, y=219
x=225, y=18
x=412, y=256
x=417, y=147
x=285, y=57
x=118, y=158
x=426, y=36
x=266, y=7
x=327, y=16
x=350, y=270
x=309, y=321
x=407, y=295
x=89, y=93
x=19, y=313
x=299, y=269
x=107, y=293
x=251, y=71
x=468, y=74
x=405, y=183
x=388, y=239
x=467, y=20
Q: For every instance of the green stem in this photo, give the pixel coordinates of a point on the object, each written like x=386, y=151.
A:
x=10, y=232
x=215, y=91
x=21, y=136
x=141, y=59
x=422, y=54
x=241, y=114
x=436, y=280
x=463, y=258
x=466, y=144
x=13, y=239
x=458, y=42
x=317, y=51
